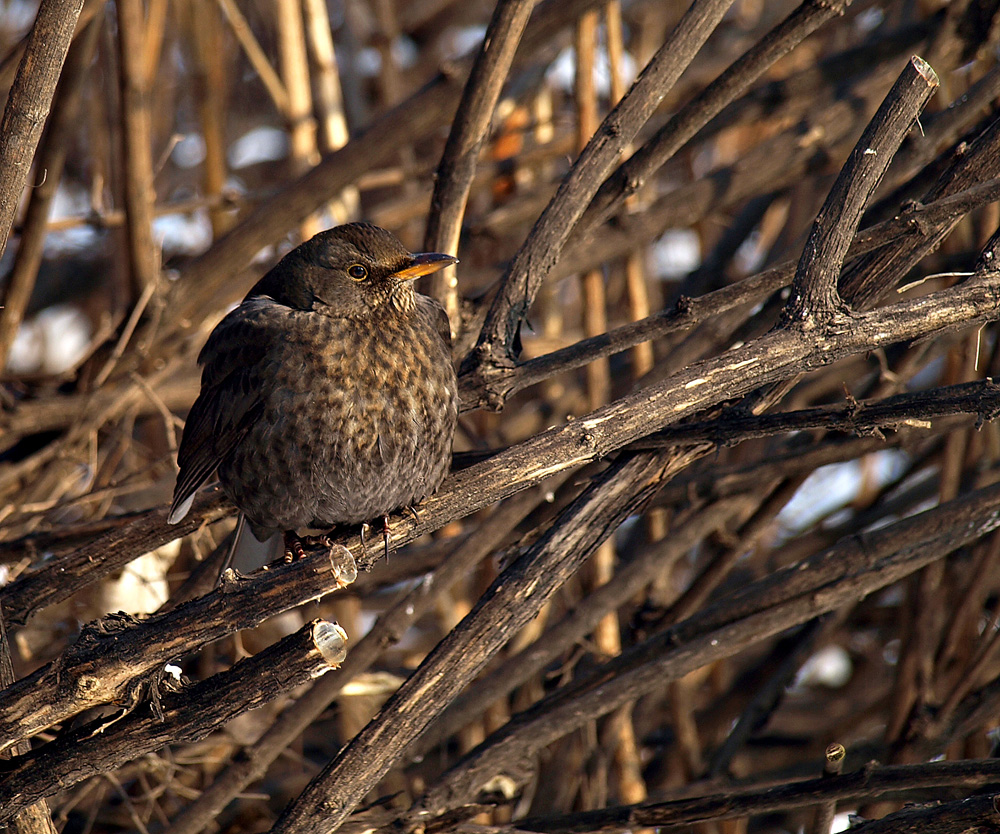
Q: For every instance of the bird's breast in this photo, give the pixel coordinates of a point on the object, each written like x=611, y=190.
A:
x=357, y=396
x=356, y=420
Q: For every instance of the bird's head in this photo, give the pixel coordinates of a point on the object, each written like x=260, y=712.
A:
x=351, y=271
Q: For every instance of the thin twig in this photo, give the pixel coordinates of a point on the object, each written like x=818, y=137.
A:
x=453, y=179
x=544, y=244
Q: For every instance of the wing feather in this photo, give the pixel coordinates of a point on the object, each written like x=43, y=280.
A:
x=230, y=398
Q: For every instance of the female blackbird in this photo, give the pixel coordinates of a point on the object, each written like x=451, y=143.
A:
x=328, y=396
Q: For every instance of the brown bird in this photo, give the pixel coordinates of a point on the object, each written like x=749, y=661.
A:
x=328, y=396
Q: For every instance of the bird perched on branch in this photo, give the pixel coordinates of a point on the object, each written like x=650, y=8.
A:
x=328, y=396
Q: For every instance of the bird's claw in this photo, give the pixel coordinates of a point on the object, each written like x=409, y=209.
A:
x=342, y=562
x=385, y=535
x=293, y=547
x=365, y=527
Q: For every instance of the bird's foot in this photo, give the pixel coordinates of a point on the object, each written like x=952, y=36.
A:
x=342, y=562
x=385, y=535
x=294, y=548
x=312, y=542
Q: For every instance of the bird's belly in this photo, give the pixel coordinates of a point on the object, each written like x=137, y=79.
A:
x=343, y=445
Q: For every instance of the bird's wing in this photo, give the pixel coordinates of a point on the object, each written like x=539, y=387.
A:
x=230, y=398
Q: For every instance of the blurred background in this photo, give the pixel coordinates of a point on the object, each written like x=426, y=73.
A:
x=226, y=112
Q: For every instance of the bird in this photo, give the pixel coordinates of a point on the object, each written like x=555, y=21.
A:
x=328, y=395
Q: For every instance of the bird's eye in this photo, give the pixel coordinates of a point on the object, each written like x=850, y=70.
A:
x=357, y=272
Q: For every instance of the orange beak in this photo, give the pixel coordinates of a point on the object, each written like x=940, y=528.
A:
x=424, y=264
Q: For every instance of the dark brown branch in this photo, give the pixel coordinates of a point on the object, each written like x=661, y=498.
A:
x=389, y=628
x=777, y=163
x=814, y=290
x=654, y=559
x=509, y=604
x=871, y=782
x=188, y=715
x=976, y=815
x=544, y=244
x=748, y=537
x=940, y=130
x=453, y=181
x=632, y=175
x=865, y=280
x=29, y=100
x=935, y=534
x=981, y=398
x=836, y=577
x=110, y=654
x=30, y=818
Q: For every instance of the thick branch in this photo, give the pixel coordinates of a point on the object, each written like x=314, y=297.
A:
x=509, y=604
x=389, y=628
x=112, y=653
x=29, y=100
x=981, y=398
x=840, y=575
x=814, y=290
x=869, y=783
x=189, y=715
x=865, y=280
